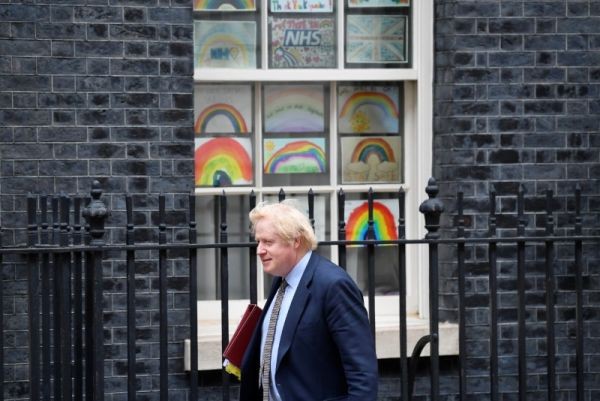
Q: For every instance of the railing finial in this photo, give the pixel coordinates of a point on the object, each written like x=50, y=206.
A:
x=432, y=208
x=95, y=215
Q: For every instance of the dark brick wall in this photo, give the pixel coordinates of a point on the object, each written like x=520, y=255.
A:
x=517, y=100
x=98, y=90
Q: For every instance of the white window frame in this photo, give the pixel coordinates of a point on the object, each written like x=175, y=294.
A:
x=418, y=145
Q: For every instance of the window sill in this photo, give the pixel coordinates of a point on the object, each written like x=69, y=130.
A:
x=387, y=337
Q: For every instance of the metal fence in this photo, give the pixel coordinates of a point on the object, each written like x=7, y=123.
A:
x=64, y=256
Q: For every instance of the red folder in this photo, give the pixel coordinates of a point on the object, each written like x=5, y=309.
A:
x=234, y=352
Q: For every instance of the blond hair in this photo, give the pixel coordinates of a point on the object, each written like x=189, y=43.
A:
x=290, y=223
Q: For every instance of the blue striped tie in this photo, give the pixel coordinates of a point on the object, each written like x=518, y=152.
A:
x=266, y=362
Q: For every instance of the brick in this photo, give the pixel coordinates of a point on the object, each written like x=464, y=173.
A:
x=476, y=75
x=62, y=100
x=24, y=83
x=590, y=59
x=545, y=42
x=23, y=12
x=134, y=67
x=511, y=25
x=98, y=49
x=545, y=74
x=476, y=9
x=95, y=117
x=92, y=84
x=544, y=9
x=134, y=100
x=58, y=65
x=95, y=14
x=133, y=32
x=25, y=117
x=100, y=151
x=60, y=30
x=512, y=59
x=578, y=25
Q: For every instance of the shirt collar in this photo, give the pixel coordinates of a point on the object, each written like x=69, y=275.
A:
x=294, y=276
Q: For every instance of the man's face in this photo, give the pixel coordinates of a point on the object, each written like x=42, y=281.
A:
x=277, y=256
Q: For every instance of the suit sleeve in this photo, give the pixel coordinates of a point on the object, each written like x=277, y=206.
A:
x=349, y=326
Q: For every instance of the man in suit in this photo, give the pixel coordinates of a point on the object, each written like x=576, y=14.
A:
x=318, y=346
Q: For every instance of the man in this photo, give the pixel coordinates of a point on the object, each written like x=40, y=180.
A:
x=320, y=346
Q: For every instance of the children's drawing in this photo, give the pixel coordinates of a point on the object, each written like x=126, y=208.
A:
x=378, y=3
x=375, y=38
x=371, y=159
x=294, y=108
x=302, y=42
x=385, y=220
x=294, y=156
x=224, y=44
x=301, y=6
x=224, y=5
x=223, y=109
x=221, y=162
x=368, y=109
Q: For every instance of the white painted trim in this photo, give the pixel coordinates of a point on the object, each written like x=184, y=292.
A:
x=418, y=144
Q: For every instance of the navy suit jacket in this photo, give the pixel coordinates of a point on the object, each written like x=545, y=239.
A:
x=326, y=351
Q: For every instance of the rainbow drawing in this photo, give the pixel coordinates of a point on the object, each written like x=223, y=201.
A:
x=373, y=147
x=372, y=110
x=223, y=161
x=226, y=44
x=284, y=156
x=384, y=222
x=294, y=108
x=225, y=5
x=215, y=110
x=371, y=98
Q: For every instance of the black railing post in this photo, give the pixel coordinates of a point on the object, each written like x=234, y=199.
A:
x=77, y=304
x=311, y=208
x=193, y=266
x=341, y=228
x=131, y=310
x=521, y=311
x=163, y=303
x=57, y=343
x=371, y=263
x=550, y=298
x=34, y=305
x=579, y=356
x=402, y=297
x=64, y=291
x=252, y=257
x=432, y=208
x=95, y=214
x=462, y=348
x=46, y=321
x=224, y=288
x=1, y=324
x=493, y=283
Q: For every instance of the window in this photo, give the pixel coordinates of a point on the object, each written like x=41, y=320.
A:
x=313, y=94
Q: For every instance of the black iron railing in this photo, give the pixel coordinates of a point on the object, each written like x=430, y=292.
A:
x=64, y=260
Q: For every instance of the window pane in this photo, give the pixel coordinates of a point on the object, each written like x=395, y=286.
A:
x=209, y=260
x=302, y=42
x=296, y=130
x=224, y=135
x=385, y=215
x=377, y=34
x=370, y=128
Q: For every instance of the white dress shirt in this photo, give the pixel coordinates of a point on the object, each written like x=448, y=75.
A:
x=293, y=279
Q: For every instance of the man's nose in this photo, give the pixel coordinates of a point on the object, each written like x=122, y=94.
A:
x=260, y=249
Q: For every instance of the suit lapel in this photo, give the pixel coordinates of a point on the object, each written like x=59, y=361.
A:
x=299, y=302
